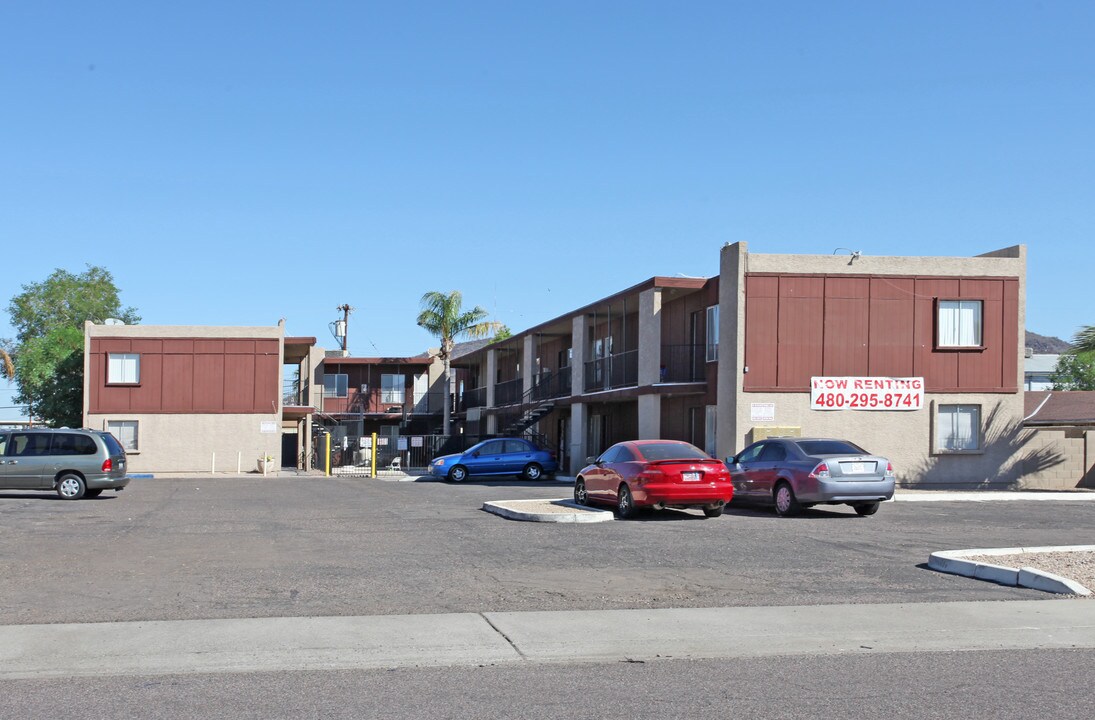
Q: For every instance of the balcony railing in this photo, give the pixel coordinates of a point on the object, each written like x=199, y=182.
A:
x=507, y=393
x=293, y=395
x=377, y=401
x=615, y=371
x=474, y=398
x=683, y=363
x=552, y=384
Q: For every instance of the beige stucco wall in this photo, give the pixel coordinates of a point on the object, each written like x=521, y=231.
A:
x=1069, y=459
x=187, y=443
x=904, y=437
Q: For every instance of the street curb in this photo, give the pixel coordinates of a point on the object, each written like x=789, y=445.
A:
x=989, y=495
x=510, y=509
x=955, y=563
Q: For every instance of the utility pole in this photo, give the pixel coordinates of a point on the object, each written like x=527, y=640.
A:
x=342, y=325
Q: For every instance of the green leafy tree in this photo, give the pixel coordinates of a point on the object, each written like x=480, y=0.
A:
x=501, y=333
x=47, y=355
x=443, y=317
x=1074, y=371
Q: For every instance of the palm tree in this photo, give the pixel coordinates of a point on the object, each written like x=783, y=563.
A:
x=7, y=367
x=1084, y=340
x=443, y=317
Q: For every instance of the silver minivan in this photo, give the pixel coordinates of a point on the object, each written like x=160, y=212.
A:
x=74, y=463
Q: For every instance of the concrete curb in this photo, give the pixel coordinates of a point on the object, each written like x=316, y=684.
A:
x=986, y=495
x=513, y=510
x=955, y=563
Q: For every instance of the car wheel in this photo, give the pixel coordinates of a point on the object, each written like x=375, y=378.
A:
x=532, y=471
x=581, y=497
x=865, y=509
x=92, y=493
x=459, y=473
x=786, y=504
x=625, y=504
x=71, y=487
x=713, y=510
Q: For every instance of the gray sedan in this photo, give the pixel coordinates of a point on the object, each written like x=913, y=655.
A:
x=795, y=473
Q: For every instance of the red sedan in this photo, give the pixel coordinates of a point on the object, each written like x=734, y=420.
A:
x=657, y=474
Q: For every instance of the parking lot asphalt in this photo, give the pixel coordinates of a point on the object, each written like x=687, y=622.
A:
x=218, y=548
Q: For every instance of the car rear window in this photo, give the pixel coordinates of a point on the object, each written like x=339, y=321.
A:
x=672, y=451
x=830, y=447
x=112, y=444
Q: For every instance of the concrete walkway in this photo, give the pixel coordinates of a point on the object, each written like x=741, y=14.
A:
x=470, y=639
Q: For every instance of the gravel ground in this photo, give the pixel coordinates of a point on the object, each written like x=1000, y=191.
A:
x=1075, y=565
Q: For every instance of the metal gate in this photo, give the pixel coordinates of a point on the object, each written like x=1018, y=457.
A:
x=353, y=455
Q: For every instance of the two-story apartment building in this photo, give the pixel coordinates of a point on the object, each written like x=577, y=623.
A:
x=776, y=344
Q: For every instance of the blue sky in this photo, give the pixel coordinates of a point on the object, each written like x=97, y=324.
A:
x=235, y=163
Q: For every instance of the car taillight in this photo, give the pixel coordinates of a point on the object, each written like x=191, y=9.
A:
x=646, y=475
x=108, y=465
x=889, y=470
x=821, y=472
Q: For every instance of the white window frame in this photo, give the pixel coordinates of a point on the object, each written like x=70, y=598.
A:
x=960, y=324
x=340, y=382
x=713, y=333
x=117, y=429
x=390, y=393
x=958, y=428
x=123, y=368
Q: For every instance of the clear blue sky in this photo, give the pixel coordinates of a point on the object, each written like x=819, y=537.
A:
x=235, y=163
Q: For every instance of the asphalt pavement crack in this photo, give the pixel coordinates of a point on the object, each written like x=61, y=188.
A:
x=507, y=637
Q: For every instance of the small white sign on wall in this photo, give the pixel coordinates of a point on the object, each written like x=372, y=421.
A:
x=416, y=441
x=762, y=412
x=268, y=426
x=401, y=443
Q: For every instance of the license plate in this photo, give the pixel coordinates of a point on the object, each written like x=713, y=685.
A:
x=857, y=468
x=690, y=477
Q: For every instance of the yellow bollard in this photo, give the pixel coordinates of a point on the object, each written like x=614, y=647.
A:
x=372, y=458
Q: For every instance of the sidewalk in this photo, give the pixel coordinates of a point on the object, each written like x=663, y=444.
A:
x=471, y=639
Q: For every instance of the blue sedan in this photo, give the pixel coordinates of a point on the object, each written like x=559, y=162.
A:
x=501, y=456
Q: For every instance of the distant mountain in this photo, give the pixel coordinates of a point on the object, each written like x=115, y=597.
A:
x=1045, y=345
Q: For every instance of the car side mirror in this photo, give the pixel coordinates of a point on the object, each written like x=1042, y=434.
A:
x=590, y=460
x=475, y=454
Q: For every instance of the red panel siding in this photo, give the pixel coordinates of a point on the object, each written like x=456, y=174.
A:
x=181, y=375
x=847, y=325
x=801, y=333
x=803, y=325
x=178, y=382
x=149, y=396
x=1009, y=338
x=761, y=327
x=939, y=370
x=239, y=382
x=208, y=383
x=266, y=382
x=891, y=347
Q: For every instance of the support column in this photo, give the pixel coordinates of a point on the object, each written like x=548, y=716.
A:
x=732, y=369
x=650, y=417
x=650, y=340
x=492, y=376
x=578, y=432
x=528, y=363
x=579, y=345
